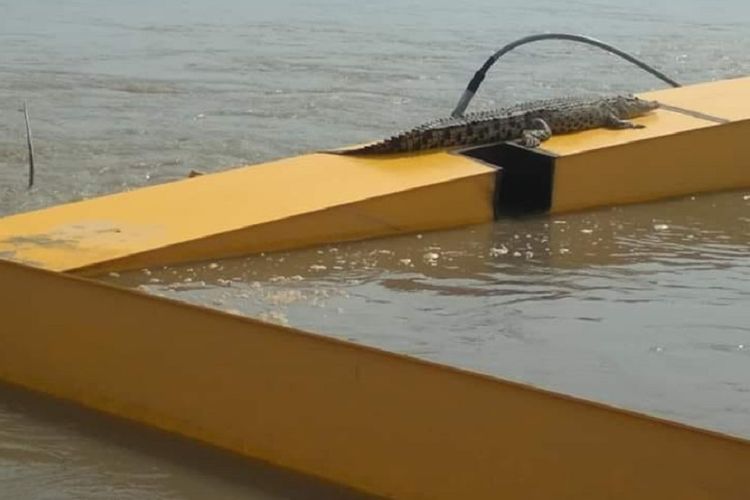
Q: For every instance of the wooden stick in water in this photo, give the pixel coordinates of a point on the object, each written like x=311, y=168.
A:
x=30, y=145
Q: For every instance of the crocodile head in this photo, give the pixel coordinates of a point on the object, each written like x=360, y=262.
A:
x=631, y=106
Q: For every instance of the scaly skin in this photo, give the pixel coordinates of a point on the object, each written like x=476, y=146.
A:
x=528, y=123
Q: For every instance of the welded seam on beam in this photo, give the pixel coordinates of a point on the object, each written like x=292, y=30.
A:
x=694, y=114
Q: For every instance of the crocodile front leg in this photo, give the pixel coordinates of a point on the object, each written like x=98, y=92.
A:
x=614, y=122
x=532, y=138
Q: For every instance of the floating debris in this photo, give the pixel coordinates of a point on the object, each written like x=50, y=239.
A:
x=498, y=251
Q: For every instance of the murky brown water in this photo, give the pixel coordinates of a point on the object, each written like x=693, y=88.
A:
x=640, y=306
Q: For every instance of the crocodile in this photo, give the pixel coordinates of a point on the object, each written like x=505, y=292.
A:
x=528, y=124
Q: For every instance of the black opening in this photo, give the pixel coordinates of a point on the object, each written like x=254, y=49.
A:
x=525, y=185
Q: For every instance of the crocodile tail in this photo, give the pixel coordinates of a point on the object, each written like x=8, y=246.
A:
x=392, y=145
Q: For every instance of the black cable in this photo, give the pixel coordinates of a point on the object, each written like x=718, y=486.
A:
x=475, y=82
x=29, y=144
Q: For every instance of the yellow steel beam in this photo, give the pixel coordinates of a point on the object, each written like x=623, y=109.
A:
x=380, y=422
x=295, y=202
x=694, y=144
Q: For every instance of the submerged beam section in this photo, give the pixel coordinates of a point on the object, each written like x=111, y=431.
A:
x=380, y=422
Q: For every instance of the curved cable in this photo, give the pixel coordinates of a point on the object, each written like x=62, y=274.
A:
x=475, y=82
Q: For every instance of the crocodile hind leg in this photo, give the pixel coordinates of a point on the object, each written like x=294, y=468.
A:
x=533, y=137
